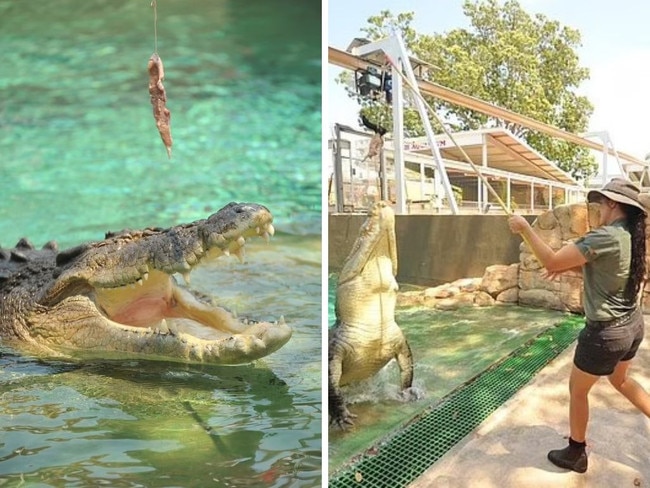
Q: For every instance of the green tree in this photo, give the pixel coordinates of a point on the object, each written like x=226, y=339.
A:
x=527, y=64
x=380, y=26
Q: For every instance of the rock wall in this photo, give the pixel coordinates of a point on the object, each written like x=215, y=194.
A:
x=523, y=282
x=499, y=285
x=557, y=227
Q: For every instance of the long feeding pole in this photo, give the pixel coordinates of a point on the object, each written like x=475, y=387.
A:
x=417, y=93
x=451, y=137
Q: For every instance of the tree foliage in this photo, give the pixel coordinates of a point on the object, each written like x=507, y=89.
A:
x=521, y=62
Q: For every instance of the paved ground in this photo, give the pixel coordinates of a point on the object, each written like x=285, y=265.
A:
x=509, y=449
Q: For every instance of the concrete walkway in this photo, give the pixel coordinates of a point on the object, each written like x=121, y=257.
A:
x=509, y=449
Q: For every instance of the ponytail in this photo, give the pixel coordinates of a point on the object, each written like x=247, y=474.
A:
x=636, y=226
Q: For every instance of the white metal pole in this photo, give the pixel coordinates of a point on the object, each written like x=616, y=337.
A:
x=421, y=181
x=382, y=171
x=398, y=141
x=338, y=170
x=410, y=76
x=482, y=193
x=604, y=162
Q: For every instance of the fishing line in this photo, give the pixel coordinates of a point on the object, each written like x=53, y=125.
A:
x=154, y=5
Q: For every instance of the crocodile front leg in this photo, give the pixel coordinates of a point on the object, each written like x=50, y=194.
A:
x=338, y=412
x=404, y=359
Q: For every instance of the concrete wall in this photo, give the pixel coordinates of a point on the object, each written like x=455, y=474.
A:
x=434, y=249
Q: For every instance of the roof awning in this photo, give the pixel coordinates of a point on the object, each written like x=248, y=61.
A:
x=504, y=151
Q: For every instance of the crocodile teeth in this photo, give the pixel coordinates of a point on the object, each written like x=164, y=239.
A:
x=145, y=276
x=226, y=252
x=281, y=321
x=265, y=231
x=173, y=330
x=140, y=282
x=218, y=239
x=241, y=241
x=162, y=327
x=240, y=254
x=186, y=277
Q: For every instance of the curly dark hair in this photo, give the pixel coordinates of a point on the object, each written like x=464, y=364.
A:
x=636, y=226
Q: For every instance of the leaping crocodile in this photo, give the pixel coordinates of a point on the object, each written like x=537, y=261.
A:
x=117, y=297
x=366, y=337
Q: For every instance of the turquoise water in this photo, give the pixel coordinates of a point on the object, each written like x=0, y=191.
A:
x=80, y=155
x=79, y=150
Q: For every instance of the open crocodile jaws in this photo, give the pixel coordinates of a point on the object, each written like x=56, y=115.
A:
x=118, y=298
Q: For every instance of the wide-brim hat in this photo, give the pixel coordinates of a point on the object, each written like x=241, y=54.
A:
x=619, y=190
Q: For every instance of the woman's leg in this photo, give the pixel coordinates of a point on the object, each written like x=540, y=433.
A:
x=580, y=384
x=574, y=456
x=630, y=389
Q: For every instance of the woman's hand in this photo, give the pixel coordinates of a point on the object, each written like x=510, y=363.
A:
x=517, y=224
x=547, y=275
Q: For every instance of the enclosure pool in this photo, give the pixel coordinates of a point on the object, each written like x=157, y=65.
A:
x=80, y=155
x=449, y=349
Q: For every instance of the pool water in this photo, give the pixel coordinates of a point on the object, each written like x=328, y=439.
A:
x=79, y=150
x=80, y=155
x=449, y=348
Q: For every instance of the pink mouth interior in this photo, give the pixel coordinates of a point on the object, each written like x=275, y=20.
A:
x=138, y=305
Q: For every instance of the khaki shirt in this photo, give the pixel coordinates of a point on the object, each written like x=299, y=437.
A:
x=608, y=252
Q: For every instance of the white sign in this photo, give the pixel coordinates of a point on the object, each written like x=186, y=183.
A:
x=422, y=145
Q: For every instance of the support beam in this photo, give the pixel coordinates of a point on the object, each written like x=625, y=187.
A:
x=398, y=138
x=348, y=61
x=338, y=170
x=382, y=175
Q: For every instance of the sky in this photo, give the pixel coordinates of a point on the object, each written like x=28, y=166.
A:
x=615, y=48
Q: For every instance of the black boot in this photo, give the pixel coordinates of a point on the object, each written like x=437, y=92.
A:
x=573, y=457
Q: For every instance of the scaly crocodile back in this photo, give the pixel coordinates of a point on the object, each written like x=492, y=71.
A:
x=24, y=273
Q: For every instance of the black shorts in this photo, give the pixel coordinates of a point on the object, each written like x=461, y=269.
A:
x=601, y=345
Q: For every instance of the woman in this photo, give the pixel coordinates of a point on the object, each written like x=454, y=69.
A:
x=612, y=258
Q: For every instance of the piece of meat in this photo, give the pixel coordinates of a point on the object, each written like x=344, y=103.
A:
x=158, y=99
x=375, y=146
x=377, y=141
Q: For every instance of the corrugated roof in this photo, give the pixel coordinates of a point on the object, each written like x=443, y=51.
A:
x=505, y=151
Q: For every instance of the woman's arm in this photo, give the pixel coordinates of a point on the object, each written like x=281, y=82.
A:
x=564, y=259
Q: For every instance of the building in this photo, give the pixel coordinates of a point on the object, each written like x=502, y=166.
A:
x=514, y=176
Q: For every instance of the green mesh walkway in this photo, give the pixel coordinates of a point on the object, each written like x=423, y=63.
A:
x=408, y=453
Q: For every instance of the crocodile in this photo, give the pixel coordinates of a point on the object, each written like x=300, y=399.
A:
x=365, y=336
x=119, y=298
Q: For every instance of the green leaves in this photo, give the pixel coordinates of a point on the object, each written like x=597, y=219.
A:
x=525, y=63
